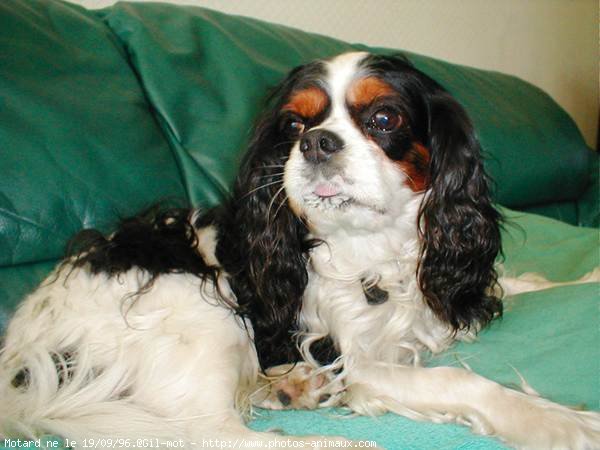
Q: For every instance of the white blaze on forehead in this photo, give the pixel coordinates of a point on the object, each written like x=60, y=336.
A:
x=341, y=71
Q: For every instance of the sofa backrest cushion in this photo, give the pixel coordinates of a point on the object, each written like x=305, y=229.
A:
x=79, y=144
x=206, y=73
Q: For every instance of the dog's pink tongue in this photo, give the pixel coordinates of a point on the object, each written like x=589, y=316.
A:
x=326, y=190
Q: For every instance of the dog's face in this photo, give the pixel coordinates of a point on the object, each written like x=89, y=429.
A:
x=357, y=154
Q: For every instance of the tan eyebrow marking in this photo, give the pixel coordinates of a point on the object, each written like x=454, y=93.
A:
x=307, y=103
x=365, y=90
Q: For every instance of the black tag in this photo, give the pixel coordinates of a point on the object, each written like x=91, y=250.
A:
x=375, y=295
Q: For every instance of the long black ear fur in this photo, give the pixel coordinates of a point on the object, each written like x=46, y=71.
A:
x=263, y=244
x=460, y=228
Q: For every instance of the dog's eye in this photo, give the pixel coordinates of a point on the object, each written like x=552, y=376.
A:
x=294, y=126
x=385, y=120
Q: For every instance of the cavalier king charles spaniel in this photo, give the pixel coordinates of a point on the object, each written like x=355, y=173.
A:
x=360, y=233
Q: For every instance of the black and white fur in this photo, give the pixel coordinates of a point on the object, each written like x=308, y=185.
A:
x=160, y=331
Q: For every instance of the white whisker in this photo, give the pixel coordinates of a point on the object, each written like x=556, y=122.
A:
x=280, y=205
x=261, y=187
x=278, y=166
x=271, y=175
x=272, y=201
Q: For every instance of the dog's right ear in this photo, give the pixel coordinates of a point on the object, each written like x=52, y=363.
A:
x=264, y=245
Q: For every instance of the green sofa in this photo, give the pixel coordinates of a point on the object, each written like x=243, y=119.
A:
x=104, y=112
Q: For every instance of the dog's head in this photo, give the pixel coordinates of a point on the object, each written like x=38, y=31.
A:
x=349, y=143
x=360, y=141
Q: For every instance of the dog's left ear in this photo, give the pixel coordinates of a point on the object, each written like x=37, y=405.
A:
x=459, y=226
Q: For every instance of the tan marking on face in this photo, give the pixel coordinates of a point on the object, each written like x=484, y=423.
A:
x=295, y=207
x=366, y=90
x=307, y=103
x=415, y=165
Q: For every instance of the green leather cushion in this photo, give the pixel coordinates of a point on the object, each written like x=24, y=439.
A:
x=79, y=144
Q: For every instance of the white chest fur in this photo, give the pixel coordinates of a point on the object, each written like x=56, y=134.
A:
x=335, y=304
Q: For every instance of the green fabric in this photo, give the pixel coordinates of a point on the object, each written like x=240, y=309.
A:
x=565, y=211
x=79, y=146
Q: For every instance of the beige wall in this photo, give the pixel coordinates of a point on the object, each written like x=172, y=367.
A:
x=550, y=43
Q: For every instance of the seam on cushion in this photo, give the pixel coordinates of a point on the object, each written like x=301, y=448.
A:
x=166, y=129
x=558, y=213
x=543, y=204
x=26, y=220
x=20, y=221
x=33, y=263
x=127, y=56
x=159, y=120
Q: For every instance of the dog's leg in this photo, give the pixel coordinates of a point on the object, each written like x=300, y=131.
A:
x=445, y=394
x=528, y=282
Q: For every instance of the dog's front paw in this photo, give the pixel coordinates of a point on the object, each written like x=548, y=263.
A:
x=299, y=386
x=540, y=424
x=569, y=429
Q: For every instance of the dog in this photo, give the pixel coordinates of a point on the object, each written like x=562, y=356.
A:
x=360, y=232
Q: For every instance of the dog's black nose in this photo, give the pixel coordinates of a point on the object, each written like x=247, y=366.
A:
x=318, y=145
